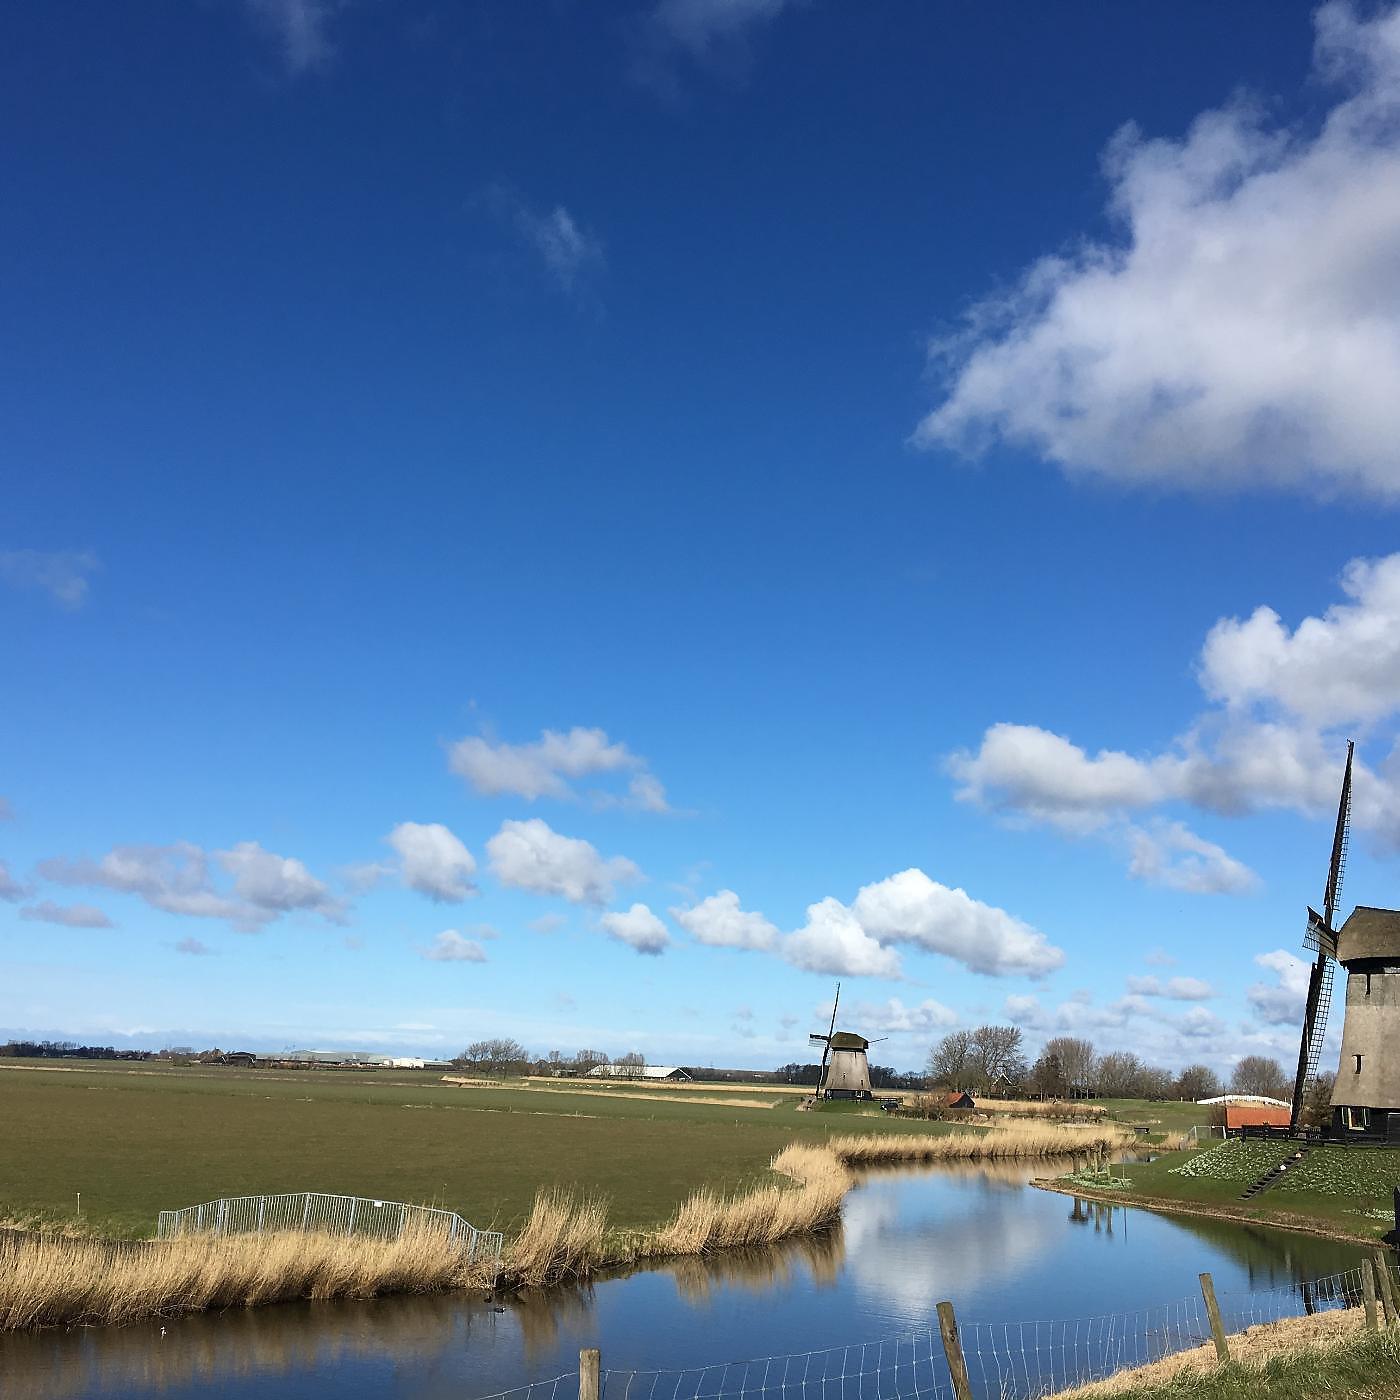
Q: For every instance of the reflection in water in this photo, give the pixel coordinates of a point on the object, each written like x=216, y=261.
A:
x=970, y=1232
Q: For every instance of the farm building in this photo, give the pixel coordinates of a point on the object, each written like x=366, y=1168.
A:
x=958, y=1098
x=1244, y=1099
x=650, y=1072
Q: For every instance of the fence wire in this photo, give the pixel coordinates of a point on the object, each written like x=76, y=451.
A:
x=1005, y=1360
x=336, y=1215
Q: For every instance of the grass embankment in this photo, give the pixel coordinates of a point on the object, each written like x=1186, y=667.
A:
x=1298, y=1359
x=136, y=1139
x=1341, y=1192
x=52, y=1281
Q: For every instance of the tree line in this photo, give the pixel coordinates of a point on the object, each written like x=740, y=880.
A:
x=991, y=1057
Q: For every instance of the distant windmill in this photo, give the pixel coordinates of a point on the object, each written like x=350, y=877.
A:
x=1322, y=938
x=845, y=1069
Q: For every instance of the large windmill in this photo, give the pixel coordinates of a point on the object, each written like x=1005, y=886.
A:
x=1321, y=937
x=845, y=1070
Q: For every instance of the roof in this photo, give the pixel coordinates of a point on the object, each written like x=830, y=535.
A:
x=1369, y=933
x=1256, y=1115
x=636, y=1071
x=1245, y=1098
x=845, y=1040
x=958, y=1098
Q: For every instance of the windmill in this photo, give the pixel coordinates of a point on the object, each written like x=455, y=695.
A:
x=1321, y=937
x=845, y=1070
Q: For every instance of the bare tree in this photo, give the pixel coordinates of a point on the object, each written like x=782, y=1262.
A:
x=950, y=1061
x=496, y=1056
x=1197, y=1082
x=1155, y=1083
x=995, y=1053
x=1120, y=1075
x=1077, y=1062
x=1047, y=1078
x=632, y=1065
x=1257, y=1074
x=586, y=1060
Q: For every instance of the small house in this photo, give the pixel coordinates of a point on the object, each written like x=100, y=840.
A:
x=1239, y=1116
x=958, y=1098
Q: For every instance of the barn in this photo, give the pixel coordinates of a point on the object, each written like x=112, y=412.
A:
x=958, y=1098
x=649, y=1072
x=1239, y=1116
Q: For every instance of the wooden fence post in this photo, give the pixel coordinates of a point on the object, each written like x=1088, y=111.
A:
x=588, y=1373
x=1217, y=1328
x=1368, y=1294
x=1387, y=1288
x=952, y=1349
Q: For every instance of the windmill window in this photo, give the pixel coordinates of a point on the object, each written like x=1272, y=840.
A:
x=1368, y=984
x=1357, y=1120
x=1357, y=1058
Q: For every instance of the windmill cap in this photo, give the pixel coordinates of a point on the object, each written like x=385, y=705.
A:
x=1369, y=933
x=844, y=1040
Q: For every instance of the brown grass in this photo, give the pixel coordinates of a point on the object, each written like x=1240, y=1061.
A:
x=1251, y=1348
x=52, y=1281
x=1043, y=1108
x=1023, y=1140
x=565, y=1237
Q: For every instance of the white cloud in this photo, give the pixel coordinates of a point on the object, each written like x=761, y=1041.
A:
x=911, y=908
x=639, y=928
x=68, y=915
x=571, y=255
x=721, y=923
x=1175, y=988
x=833, y=941
x=1341, y=667
x=548, y=923
x=177, y=879
x=193, y=948
x=549, y=766
x=1280, y=1002
x=62, y=574
x=433, y=861
x=1244, y=328
x=10, y=888
x=529, y=855
x=298, y=28
x=715, y=34
x=894, y=1018
x=1171, y=854
x=451, y=946
x=1159, y=957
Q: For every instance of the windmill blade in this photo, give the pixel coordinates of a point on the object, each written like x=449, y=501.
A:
x=1337, y=867
x=821, y=1076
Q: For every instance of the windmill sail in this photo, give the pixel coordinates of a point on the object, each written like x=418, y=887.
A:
x=1321, y=936
x=815, y=1036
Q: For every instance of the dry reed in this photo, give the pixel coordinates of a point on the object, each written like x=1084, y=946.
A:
x=565, y=1237
x=51, y=1281
x=1026, y=1140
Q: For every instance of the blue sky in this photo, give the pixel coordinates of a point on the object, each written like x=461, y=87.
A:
x=592, y=526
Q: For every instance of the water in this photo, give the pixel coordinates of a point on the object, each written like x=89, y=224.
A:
x=1002, y=1251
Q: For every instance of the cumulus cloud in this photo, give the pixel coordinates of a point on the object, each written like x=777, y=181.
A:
x=68, y=915
x=1281, y=1001
x=720, y=922
x=892, y=1017
x=911, y=908
x=1175, y=988
x=451, y=946
x=1243, y=326
x=62, y=574
x=433, y=861
x=1158, y=1032
x=1173, y=855
x=639, y=928
x=1267, y=740
x=299, y=28
x=10, y=888
x=178, y=879
x=551, y=765
x=832, y=941
x=529, y=855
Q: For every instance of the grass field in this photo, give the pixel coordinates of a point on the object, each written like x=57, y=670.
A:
x=135, y=1139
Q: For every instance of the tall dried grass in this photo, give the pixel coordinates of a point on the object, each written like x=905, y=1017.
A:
x=565, y=1237
x=51, y=1281
x=1043, y=1108
x=1026, y=1140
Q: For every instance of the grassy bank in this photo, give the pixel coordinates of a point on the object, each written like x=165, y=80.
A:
x=57, y=1280
x=1299, y=1359
x=1344, y=1193
x=135, y=1140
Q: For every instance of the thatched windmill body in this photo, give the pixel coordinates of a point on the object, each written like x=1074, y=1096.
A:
x=845, y=1070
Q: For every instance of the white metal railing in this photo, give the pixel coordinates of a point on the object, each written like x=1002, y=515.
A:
x=336, y=1215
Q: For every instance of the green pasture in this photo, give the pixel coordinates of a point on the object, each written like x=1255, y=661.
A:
x=138, y=1138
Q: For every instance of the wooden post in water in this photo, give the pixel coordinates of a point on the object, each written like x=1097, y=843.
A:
x=952, y=1349
x=588, y=1373
x=1368, y=1294
x=1387, y=1288
x=1217, y=1328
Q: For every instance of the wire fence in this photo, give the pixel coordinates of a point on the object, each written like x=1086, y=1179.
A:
x=335, y=1215
x=1005, y=1360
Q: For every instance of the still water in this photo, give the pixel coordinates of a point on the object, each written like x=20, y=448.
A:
x=1001, y=1250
